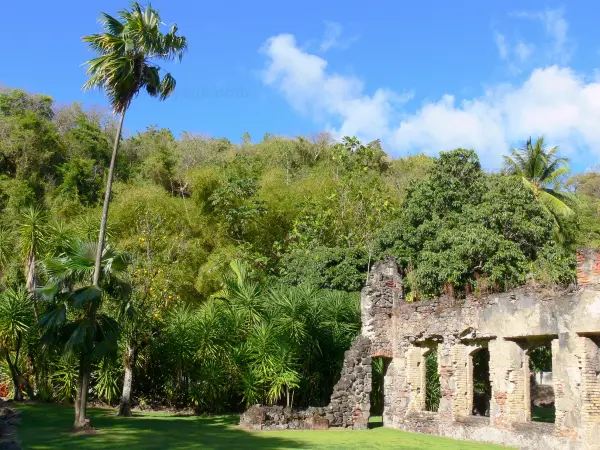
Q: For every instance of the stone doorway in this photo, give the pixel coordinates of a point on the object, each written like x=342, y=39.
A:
x=482, y=388
x=540, y=382
x=379, y=368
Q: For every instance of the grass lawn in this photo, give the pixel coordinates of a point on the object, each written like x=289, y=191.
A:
x=47, y=427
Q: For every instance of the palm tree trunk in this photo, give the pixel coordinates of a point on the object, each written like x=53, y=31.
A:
x=83, y=384
x=85, y=372
x=104, y=219
x=129, y=360
x=31, y=279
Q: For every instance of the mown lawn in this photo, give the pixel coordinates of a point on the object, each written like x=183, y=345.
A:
x=47, y=427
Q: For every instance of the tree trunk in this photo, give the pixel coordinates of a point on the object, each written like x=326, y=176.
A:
x=85, y=372
x=17, y=371
x=18, y=395
x=83, y=384
x=129, y=360
x=31, y=279
x=104, y=219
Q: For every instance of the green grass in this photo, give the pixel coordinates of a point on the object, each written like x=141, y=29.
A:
x=539, y=414
x=47, y=427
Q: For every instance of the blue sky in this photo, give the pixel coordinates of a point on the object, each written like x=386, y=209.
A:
x=429, y=75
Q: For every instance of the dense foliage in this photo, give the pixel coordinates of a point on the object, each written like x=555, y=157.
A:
x=462, y=230
x=241, y=261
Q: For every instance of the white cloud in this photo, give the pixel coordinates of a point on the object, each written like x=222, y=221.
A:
x=501, y=44
x=333, y=33
x=523, y=50
x=333, y=37
x=553, y=101
x=556, y=28
x=306, y=84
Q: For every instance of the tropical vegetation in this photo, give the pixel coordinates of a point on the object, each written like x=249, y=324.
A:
x=227, y=274
x=230, y=271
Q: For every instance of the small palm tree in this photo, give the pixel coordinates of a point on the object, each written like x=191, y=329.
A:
x=243, y=294
x=32, y=239
x=124, y=66
x=16, y=320
x=543, y=172
x=72, y=320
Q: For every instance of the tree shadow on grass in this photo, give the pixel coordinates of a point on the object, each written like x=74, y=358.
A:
x=46, y=427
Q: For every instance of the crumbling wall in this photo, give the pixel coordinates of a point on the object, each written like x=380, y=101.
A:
x=259, y=417
x=508, y=325
x=350, y=402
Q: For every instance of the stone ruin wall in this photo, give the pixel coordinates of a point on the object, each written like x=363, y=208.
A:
x=508, y=325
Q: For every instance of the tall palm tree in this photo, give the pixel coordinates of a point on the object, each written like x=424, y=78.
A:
x=124, y=66
x=71, y=319
x=543, y=172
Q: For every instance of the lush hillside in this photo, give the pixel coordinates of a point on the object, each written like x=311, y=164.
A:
x=241, y=262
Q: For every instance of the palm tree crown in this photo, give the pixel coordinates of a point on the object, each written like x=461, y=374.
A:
x=126, y=47
x=543, y=172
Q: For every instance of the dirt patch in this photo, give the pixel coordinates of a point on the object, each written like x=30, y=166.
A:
x=9, y=417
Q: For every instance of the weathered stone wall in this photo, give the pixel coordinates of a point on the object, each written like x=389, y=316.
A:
x=260, y=417
x=350, y=402
x=509, y=325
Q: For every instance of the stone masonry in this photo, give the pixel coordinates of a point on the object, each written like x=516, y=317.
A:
x=509, y=326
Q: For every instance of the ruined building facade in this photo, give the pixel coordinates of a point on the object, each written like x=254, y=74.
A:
x=508, y=326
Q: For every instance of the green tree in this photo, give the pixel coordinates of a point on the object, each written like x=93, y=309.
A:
x=16, y=102
x=544, y=173
x=462, y=230
x=124, y=67
x=74, y=320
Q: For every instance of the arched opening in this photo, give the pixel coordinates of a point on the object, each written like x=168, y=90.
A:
x=433, y=391
x=482, y=388
x=379, y=367
x=541, y=389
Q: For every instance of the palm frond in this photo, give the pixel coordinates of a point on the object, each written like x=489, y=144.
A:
x=555, y=203
x=554, y=174
x=54, y=317
x=81, y=297
x=16, y=311
x=125, y=48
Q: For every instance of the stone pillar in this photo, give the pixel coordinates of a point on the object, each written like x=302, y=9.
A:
x=388, y=391
x=462, y=363
x=507, y=376
x=415, y=377
x=590, y=390
x=567, y=361
x=400, y=397
x=447, y=380
x=382, y=292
